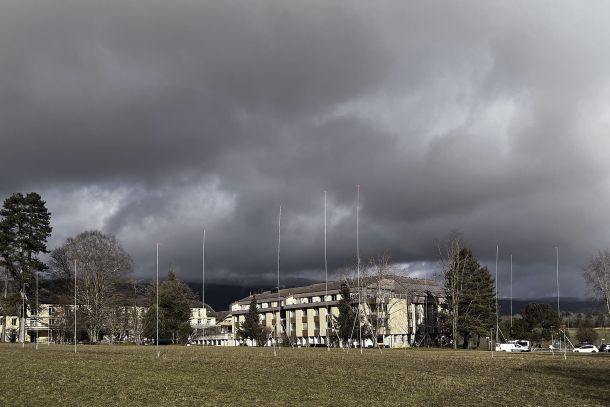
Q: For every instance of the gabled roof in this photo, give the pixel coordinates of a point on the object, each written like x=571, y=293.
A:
x=209, y=311
x=221, y=315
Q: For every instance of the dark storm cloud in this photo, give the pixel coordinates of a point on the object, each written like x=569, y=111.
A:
x=151, y=120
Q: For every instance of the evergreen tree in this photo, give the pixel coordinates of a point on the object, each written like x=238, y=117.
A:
x=344, y=322
x=538, y=322
x=476, y=298
x=252, y=327
x=24, y=230
x=174, y=311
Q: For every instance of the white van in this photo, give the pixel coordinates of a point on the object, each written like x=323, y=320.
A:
x=513, y=346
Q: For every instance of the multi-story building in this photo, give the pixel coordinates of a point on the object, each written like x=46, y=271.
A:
x=211, y=328
x=398, y=311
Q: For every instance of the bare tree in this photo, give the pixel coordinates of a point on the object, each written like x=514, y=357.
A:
x=386, y=291
x=376, y=292
x=597, y=275
x=101, y=264
x=452, y=273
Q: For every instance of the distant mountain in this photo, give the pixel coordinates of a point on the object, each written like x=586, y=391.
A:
x=220, y=296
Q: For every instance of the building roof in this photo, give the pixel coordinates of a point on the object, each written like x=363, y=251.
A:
x=221, y=315
x=209, y=310
x=395, y=283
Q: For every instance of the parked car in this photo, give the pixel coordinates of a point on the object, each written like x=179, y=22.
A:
x=586, y=349
x=605, y=347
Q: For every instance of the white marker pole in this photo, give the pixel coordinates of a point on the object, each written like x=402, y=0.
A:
x=558, y=312
x=326, y=277
x=279, y=309
x=497, y=311
x=203, y=288
x=37, y=315
x=75, y=306
x=157, y=300
x=511, y=292
x=358, y=265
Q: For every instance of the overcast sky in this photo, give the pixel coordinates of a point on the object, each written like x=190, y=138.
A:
x=153, y=119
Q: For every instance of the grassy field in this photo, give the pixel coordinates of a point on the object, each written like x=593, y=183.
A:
x=133, y=376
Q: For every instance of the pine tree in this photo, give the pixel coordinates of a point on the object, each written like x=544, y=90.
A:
x=539, y=321
x=252, y=328
x=24, y=230
x=174, y=311
x=476, y=299
x=345, y=321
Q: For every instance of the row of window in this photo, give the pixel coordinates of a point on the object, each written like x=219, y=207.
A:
x=303, y=300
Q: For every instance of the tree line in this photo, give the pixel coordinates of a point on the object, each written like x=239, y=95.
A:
x=101, y=266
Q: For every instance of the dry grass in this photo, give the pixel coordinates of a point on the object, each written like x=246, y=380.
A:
x=132, y=376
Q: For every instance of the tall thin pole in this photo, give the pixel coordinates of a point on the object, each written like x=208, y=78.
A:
x=279, y=311
x=326, y=277
x=74, y=305
x=358, y=264
x=37, y=316
x=157, y=300
x=497, y=311
x=557, y=267
x=203, y=287
x=22, y=320
x=511, y=292
x=558, y=312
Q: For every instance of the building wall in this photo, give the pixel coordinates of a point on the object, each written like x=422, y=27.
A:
x=307, y=323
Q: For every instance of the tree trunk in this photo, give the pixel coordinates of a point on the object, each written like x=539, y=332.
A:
x=4, y=311
x=466, y=340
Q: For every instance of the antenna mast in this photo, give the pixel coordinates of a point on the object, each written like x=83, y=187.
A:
x=279, y=310
x=497, y=311
x=511, y=292
x=74, y=305
x=157, y=300
x=205, y=312
x=358, y=265
x=326, y=276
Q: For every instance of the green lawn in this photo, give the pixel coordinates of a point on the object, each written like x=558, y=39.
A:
x=133, y=376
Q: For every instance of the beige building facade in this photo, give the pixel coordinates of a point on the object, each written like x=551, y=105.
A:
x=397, y=311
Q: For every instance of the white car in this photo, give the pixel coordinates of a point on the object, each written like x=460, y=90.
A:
x=586, y=349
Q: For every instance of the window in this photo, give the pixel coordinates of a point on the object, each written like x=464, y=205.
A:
x=14, y=321
x=198, y=322
x=305, y=326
